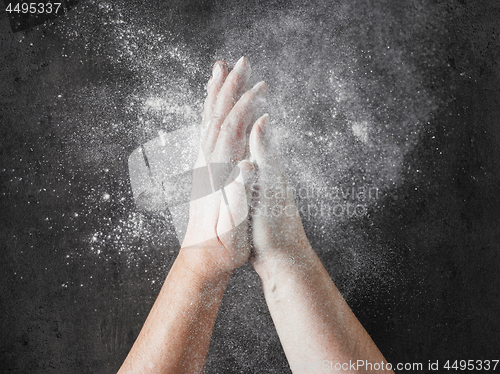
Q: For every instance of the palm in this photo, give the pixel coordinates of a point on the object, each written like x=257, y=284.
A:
x=217, y=229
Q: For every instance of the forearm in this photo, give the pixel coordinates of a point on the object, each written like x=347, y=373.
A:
x=176, y=335
x=313, y=320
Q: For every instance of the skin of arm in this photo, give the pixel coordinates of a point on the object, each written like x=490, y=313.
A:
x=312, y=319
x=317, y=329
x=176, y=335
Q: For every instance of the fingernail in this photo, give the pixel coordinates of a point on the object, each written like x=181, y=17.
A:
x=217, y=71
x=260, y=88
x=239, y=63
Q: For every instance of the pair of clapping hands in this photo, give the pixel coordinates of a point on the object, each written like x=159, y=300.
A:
x=218, y=237
x=313, y=321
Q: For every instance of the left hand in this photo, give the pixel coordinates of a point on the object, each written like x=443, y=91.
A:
x=217, y=239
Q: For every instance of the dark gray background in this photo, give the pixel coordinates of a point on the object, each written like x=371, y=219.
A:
x=81, y=268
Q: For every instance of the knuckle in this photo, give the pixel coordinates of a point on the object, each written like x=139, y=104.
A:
x=248, y=96
x=216, y=117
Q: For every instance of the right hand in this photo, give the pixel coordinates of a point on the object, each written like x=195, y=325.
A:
x=277, y=229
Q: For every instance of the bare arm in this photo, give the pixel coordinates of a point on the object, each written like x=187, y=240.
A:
x=176, y=335
x=315, y=324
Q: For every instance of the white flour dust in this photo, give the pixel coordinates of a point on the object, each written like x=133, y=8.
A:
x=350, y=91
x=139, y=81
x=349, y=95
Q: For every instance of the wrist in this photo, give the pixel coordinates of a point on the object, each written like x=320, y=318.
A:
x=270, y=263
x=270, y=251
x=201, y=260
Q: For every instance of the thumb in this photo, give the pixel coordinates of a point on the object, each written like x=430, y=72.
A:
x=259, y=141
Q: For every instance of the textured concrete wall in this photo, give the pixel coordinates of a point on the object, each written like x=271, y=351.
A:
x=406, y=94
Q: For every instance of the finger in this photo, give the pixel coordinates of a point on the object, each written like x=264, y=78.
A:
x=234, y=209
x=256, y=115
x=219, y=74
x=231, y=144
x=259, y=142
x=268, y=172
x=228, y=95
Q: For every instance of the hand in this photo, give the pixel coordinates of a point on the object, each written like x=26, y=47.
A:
x=277, y=229
x=217, y=235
